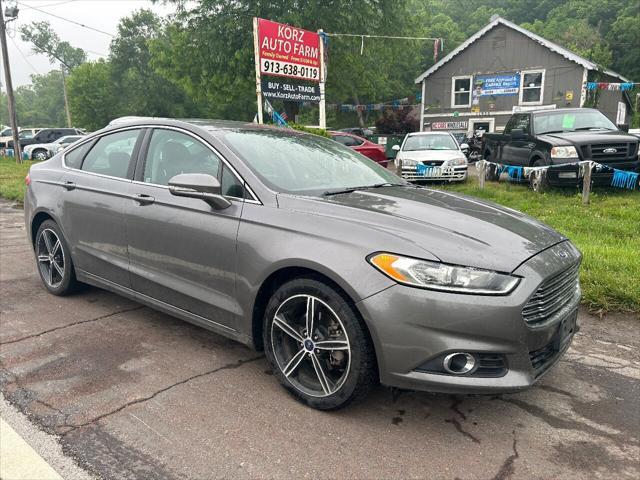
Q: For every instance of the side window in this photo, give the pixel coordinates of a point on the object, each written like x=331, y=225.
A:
x=230, y=184
x=111, y=154
x=73, y=159
x=509, y=126
x=172, y=153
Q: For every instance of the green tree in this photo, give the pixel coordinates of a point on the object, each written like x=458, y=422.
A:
x=41, y=104
x=93, y=98
x=142, y=90
x=46, y=41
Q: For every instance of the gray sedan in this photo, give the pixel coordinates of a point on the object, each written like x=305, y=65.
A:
x=345, y=274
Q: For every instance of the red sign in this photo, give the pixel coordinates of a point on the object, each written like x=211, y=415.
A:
x=287, y=51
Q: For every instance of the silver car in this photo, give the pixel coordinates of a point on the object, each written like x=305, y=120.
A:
x=431, y=156
x=345, y=274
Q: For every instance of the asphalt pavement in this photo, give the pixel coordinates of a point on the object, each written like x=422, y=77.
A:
x=128, y=392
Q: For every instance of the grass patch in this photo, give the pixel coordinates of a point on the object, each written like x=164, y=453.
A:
x=607, y=231
x=12, y=178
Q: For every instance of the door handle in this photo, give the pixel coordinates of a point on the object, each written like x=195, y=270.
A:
x=69, y=185
x=143, y=198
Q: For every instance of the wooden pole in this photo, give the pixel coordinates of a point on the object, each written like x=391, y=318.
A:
x=13, y=119
x=66, y=98
x=480, y=168
x=586, y=183
x=256, y=54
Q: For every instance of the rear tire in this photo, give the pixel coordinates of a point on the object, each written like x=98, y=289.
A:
x=53, y=259
x=39, y=155
x=328, y=366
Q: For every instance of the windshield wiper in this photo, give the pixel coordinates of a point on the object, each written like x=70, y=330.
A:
x=363, y=187
x=594, y=128
x=555, y=131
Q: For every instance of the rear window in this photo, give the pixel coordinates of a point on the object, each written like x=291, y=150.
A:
x=73, y=159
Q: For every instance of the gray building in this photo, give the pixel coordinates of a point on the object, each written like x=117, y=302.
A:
x=505, y=68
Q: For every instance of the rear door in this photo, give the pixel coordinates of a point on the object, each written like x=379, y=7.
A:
x=95, y=185
x=182, y=252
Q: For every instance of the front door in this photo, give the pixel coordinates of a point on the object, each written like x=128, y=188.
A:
x=517, y=151
x=182, y=252
x=94, y=187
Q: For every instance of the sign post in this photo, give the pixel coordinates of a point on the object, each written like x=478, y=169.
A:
x=322, y=106
x=256, y=56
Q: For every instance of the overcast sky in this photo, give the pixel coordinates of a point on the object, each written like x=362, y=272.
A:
x=100, y=14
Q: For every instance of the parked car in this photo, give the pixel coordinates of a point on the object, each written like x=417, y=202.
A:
x=341, y=271
x=42, y=151
x=359, y=131
x=431, y=156
x=23, y=134
x=44, y=135
x=362, y=145
x=562, y=136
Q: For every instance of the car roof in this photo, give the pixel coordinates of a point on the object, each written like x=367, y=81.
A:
x=206, y=124
x=561, y=110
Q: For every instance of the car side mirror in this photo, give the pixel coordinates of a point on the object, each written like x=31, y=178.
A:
x=199, y=185
x=624, y=127
x=396, y=148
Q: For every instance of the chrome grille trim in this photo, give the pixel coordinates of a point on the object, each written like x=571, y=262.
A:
x=552, y=297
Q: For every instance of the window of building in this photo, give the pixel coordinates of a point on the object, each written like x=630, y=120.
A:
x=461, y=92
x=531, y=87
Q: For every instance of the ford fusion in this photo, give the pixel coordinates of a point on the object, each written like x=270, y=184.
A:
x=345, y=274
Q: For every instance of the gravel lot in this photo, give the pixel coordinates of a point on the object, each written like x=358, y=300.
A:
x=132, y=393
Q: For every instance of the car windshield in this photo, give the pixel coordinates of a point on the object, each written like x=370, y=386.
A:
x=442, y=141
x=305, y=164
x=5, y=133
x=571, y=121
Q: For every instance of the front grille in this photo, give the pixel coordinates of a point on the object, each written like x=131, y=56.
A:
x=545, y=357
x=433, y=163
x=622, y=151
x=552, y=296
x=437, y=173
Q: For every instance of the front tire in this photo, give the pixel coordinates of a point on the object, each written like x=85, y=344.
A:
x=317, y=345
x=54, y=260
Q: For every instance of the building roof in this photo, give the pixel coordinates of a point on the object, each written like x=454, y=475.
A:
x=588, y=64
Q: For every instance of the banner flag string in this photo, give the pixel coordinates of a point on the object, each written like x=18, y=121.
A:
x=621, y=178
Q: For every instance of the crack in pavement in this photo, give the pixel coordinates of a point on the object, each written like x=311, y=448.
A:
x=101, y=317
x=567, y=424
x=508, y=469
x=459, y=428
x=228, y=366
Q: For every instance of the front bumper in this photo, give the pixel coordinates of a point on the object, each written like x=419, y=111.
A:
x=411, y=327
x=449, y=174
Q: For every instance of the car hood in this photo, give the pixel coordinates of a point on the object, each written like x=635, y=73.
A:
x=422, y=155
x=454, y=228
x=587, y=137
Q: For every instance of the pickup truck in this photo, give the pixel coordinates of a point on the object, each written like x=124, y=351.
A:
x=567, y=135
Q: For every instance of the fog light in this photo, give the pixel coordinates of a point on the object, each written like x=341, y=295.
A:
x=459, y=363
x=567, y=175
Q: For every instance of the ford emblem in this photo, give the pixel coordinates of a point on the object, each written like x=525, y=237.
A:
x=610, y=150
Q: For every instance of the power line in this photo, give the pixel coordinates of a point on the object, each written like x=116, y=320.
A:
x=67, y=20
x=24, y=57
x=48, y=4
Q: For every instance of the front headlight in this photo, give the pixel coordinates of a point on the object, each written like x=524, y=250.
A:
x=439, y=276
x=457, y=161
x=564, y=152
x=407, y=162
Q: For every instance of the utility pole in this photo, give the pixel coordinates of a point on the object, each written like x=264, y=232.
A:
x=66, y=99
x=9, y=84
